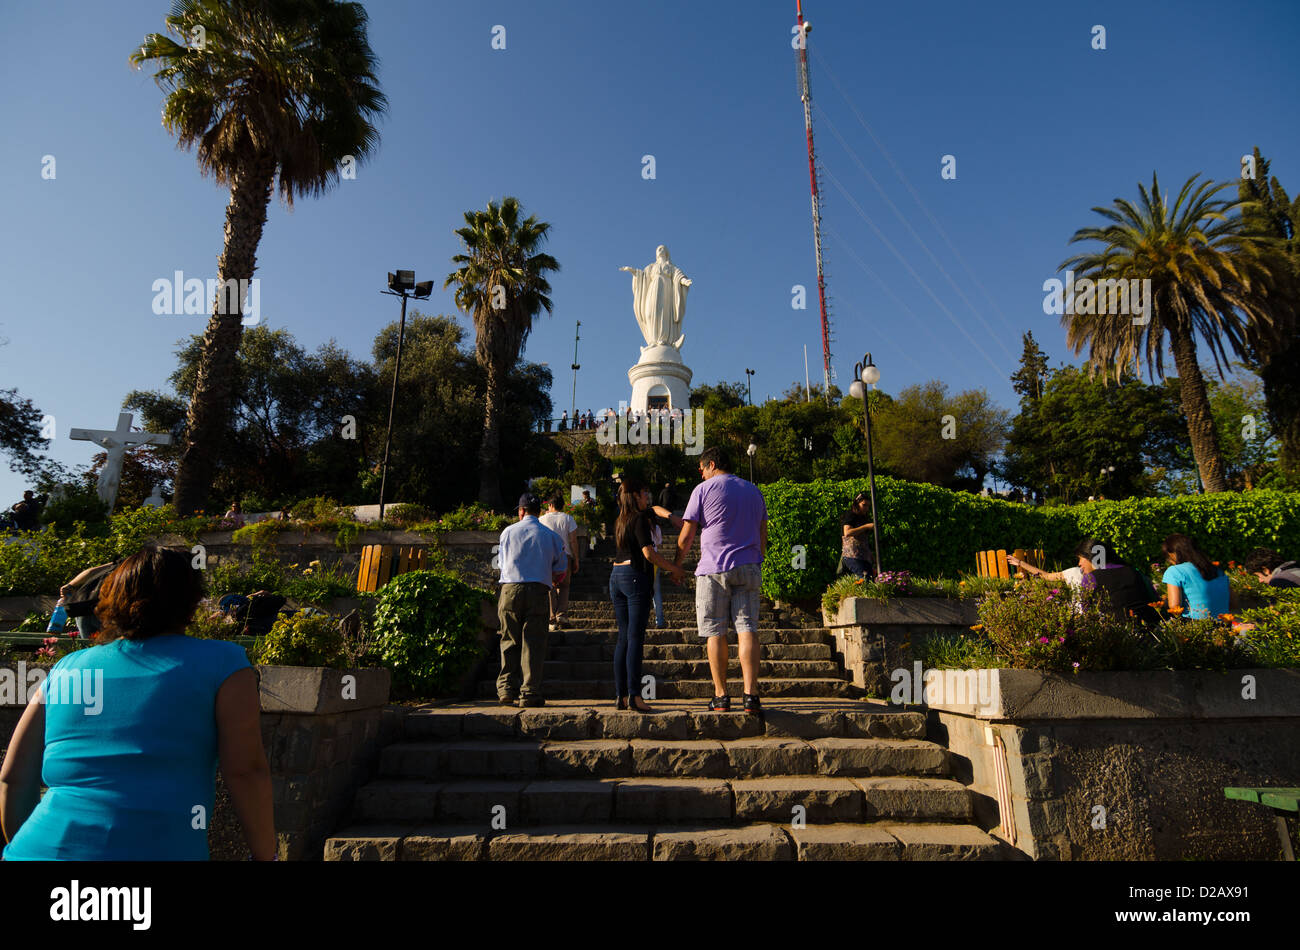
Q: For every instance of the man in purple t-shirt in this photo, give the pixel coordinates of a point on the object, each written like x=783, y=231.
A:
x=731, y=517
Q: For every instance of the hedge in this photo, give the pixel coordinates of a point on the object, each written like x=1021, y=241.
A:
x=933, y=531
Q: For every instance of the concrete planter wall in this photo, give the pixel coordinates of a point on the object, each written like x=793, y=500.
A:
x=874, y=637
x=1126, y=766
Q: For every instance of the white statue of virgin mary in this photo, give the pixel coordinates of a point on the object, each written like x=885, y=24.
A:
x=659, y=300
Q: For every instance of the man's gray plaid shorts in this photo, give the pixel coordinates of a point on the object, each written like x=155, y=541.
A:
x=729, y=597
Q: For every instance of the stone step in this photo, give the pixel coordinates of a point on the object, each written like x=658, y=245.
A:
x=690, y=758
x=667, y=670
x=538, y=802
x=672, y=720
x=604, y=652
x=585, y=637
x=802, y=687
x=841, y=841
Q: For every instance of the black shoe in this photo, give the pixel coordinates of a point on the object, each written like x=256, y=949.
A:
x=752, y=704
x=531, y=702
x=720, y=704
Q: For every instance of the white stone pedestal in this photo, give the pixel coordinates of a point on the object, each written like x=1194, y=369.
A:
x=660, y=372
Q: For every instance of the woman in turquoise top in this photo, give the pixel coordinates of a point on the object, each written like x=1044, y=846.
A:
x=1194, y=582
x=127, y=734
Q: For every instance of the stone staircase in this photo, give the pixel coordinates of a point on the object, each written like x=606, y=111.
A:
x=819, y=776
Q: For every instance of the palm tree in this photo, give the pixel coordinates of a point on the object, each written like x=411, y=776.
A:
x=1206, y=281
x=264, y=89
x=501, y=283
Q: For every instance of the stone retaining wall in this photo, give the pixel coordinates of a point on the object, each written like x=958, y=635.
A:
x=1128, y=766
x=874, y=637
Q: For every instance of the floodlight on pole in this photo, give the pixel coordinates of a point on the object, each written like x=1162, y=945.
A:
x=400, y=284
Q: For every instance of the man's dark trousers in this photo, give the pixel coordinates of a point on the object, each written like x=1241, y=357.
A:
x=523, y=610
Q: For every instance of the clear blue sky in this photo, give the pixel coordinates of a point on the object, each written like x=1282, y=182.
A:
x=1043, y=127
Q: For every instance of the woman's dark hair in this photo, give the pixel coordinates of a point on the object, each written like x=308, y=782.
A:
x=628, y=491
x=1090, y=547
x=1263, y=559
x=1182, y=548
x=154, y=591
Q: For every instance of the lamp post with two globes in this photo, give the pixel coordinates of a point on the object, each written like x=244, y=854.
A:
x=865, y=374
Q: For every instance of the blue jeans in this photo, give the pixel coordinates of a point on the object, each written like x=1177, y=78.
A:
x=630, y=591
x=659, y=598
x=860, y=566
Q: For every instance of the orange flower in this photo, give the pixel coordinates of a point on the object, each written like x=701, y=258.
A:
x=978, y=626
x=1215, y=563
x=1229, y=617
x=1157, y=604
x=1175, y=610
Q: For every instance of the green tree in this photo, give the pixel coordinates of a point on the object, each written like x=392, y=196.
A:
x=502, y=285
x=1028, y=381
x=1206, y=281
x=285, y=435
x=275, y=89
x=438, y=418
x=20, y=432
x=925, y=435
x=1059, y=445
x=1273, y=219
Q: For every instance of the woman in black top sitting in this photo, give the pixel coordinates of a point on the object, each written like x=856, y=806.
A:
x=1131, y=594
x=631, y=585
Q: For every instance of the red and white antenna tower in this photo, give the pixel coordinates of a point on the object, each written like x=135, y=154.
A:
x=805, y=93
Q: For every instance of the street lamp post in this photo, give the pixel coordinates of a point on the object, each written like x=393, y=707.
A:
x=749, y=382
x=751, y=452
x=575, y=367
x=865, y=374
x=400, y=284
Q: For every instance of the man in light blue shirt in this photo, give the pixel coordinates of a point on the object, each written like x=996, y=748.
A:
x=532, y=560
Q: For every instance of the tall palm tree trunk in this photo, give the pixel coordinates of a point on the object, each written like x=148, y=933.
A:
x=1196, y=407
x=209, y=414
x=489, y=453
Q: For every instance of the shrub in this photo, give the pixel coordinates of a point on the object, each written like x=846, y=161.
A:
x=320, y=509
x=1042, y=627
x=213, y=626
x=932, y=531
x=944, y=651
x=1209, y=644
x=472, y=517
x=406, y=515
x=840, y=590
x=79, y=502
x=34, y=622
x=303, y=640
x=427, y=627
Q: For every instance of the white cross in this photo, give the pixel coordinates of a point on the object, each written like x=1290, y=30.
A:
x=116, y=442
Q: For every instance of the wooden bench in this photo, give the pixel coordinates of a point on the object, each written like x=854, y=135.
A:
x=994, y=563
x=380, y=563
x=1282, y=801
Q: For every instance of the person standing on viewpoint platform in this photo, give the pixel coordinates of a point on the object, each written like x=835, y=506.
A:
x=563, y=524
x=532, y=562
x=731, y=516
x=858, y=530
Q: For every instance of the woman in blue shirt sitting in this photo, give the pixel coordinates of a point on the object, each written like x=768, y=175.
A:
x=1193, y=581
x=127, y=734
